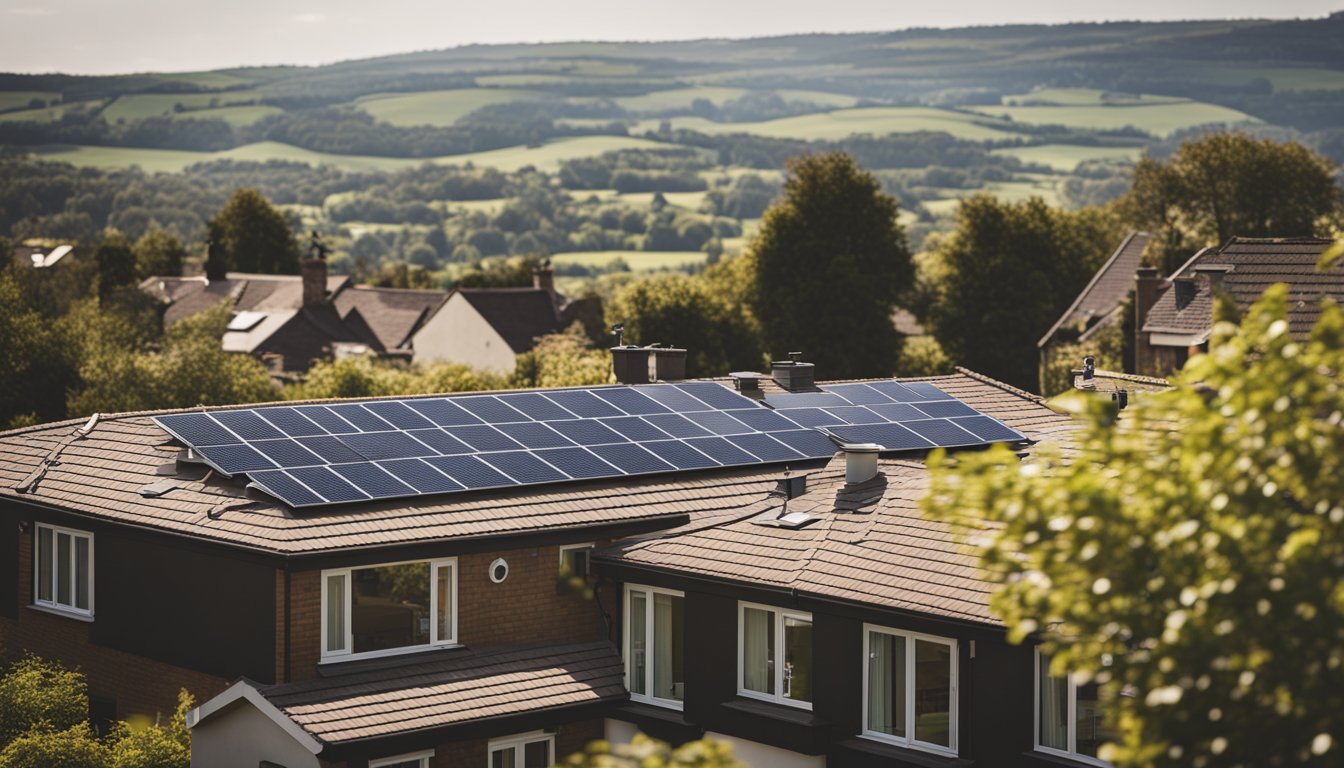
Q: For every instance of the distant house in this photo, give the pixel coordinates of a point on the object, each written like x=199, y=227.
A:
x=40, y=254
x=1101, y=304
x=1174, y=317
x=486, y=328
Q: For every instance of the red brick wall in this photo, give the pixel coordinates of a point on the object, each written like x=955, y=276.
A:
x=139, y=685
x=305, y=624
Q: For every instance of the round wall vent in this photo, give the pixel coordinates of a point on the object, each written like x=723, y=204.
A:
x=499, y=570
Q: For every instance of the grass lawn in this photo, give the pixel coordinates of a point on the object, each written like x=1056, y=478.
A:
x=1157, y=119
x=1064, y=157
x=639, y=261
x=840, y=124
x=439, y=108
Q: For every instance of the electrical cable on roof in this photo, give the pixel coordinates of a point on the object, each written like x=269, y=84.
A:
x=29, y=483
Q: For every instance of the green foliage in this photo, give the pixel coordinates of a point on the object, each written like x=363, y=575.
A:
x=831, y=262
x=1189, y=551
x=1007, y=272
x=40, y=696
x=116, y=264
x=153, y=745
x=74, y=747
x=563, y=360
x=32, y=371
x=1228, y=184
x=644, y=752
x=922, y=356
x=252, y=236
x=158, y=253
x=365, y=377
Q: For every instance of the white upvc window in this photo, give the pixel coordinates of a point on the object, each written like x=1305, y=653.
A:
x=655, y=671
x=774, y=654
x=526, y=750
x=63, y=570
x=572, y=576
x=1069, y=716
x=910, y=689
x=383, y=610
x=417, y=760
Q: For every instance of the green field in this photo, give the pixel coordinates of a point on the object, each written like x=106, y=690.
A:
x=48, y=115
x=820, y=98
x=679, y=98
x=141, y=105
x=21, y=99
x=689, y=200
x=1281, y=78
x=1064, y=158
x=438, y=108
x=237, y=117
x=1157, y=119
x=639, y=261
x=549, y=156
x=843, y=123
x=1085, y=97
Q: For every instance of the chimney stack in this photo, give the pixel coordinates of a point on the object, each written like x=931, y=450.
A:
x=543, y=277
x=1147, y=289
x=792, y=374
x=314, y=282
x=860, y=462
x=630, y=364
x=1214, y=273
x=669, y=363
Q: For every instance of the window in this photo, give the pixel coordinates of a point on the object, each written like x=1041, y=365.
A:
x=910, y=689
x=573, y=576
x=386, y=609
x=654, y=667
x=528, y=750
x=1069, y=716
x=774, y=656
x=417, y=760
x=63, y=570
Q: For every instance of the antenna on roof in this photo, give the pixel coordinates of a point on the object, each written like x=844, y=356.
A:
x=616, y=330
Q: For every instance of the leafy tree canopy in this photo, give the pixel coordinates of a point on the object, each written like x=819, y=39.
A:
x=251, y=235
x=41, y=695
x=644, y=752
x=158, y=253
x=830, y=263
x=1195, y=544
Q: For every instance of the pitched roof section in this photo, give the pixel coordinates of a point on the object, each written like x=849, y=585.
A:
x=1249, y=266
x=1108, y=287
x=519, y=315
x=391, y=314
x=102, y=473
x=390, y=700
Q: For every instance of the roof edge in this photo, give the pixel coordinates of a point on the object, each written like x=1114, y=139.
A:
x=245, y=690
x=1006, y=387
x=1096, y=277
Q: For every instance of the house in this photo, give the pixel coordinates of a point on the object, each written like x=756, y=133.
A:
x=1174, y=317
x=1101, y=305
x=384, y=582
x=487, y=328
x=40, y=253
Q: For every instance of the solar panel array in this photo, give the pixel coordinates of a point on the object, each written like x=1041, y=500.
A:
x=309, y=455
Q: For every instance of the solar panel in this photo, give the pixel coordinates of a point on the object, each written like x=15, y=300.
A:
x=342, y=452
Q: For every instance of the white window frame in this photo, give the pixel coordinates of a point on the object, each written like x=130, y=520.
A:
x=777, y=628
x=571, y=547
x=56, y=577
x=520, y=740
x=1070, y=717
x=909, y=741
x=345, y=653
x=422, y=758
x=648, y=642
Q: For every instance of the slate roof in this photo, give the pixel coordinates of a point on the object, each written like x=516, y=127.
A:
x=458, y=688
x=1254, y=264
x=871, y=544
x=519, y=315
x=1107, y=288
x=101, y=475
x=392, y=314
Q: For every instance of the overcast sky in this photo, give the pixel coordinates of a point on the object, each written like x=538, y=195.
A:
x=114, y=36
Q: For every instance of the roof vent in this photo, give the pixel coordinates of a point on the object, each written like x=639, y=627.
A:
x=860, y=462
x=792, y=374
x=1185, y=291
x=747, y=381
x=669, y=363
x=630, y=364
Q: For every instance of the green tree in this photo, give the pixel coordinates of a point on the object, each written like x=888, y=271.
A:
x=116, y=265
x=156, y=745
x=34, y=365
x=38, y=695
x=1008, y=271
x=831, y=262
x=644, y=752
x=1195, y=545
x=74, y=747
x=158, y=253
x=252, y=236
x=1228, y=184
x=563, y=360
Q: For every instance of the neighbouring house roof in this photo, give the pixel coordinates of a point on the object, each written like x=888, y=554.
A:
x=391, y=314
x=1106, y=290
x=1249, y=266
x=1114, y=381
x=400, y=698
x=104, y=473
x=519, y=315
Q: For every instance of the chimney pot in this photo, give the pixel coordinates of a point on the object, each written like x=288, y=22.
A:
x=860, y=462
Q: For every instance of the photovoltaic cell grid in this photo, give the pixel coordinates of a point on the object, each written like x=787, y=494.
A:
x=310, y=455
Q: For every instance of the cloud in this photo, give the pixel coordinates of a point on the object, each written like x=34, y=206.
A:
x=310, y=18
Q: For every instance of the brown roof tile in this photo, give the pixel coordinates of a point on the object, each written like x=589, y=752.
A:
x=1108, y=286
x=519, y=315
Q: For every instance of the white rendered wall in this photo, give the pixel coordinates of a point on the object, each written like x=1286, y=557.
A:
x=243, y=736
x=458, y=334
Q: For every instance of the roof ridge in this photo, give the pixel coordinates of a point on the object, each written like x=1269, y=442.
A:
x=1006, y=387
x=1096, y=278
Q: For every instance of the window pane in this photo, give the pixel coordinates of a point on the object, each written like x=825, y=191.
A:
x=1092, y=732
x=389, y=607
x=335, y=608
x=1054, y=707
x=82, y=573
x=886, y=684
x=44, y=564
x=63, y=569
x=797, y=659
x=639, y=636
x=502, y=758
x=758, y=650
x=445, y=589
x=933, y=693
x=668, y=674
x=537, y=754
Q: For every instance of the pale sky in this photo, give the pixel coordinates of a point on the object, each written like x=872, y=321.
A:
x=116, y=36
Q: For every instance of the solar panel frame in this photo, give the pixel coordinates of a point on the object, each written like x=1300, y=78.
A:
x=443, y=412
x=372, y=479
x=327, y=484
x=536, y=406
x=471, y=472
x=491, y=409
x=631, y=458
x=236, y=459
x=291, y=421
x=583, y=403
x=197, y=429
x=524, y=467
x=247, y=425
x=399, y=415
x=279, y=484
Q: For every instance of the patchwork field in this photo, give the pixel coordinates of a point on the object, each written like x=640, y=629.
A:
x=21, y=99
x=439, y=108
x=1084, y=97
x=47, y=115
x=679, y=98
x=1158, y=119
x=1064, y=158
x=141, y=105
x=639, y=261
x=843, y=123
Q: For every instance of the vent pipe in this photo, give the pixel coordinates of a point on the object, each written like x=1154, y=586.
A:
x=860, y=462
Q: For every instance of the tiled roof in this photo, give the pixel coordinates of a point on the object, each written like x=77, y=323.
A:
x=101, y=475
x=391, y=314
x=404, y=698
x=1108, y=286
x=1113, y=381
x=1254, y=265
x=871, y=544
x=519, y=315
